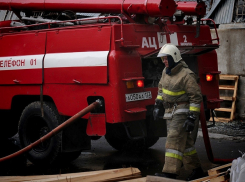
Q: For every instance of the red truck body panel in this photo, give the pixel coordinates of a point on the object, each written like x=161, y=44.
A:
x=72, y=64
x=77, y=56
x=21, y=58
x=87, y=61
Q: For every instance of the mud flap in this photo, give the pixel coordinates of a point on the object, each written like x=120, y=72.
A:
x=96, y=125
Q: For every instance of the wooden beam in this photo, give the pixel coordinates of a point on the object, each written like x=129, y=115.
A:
x=224, y=109
x=160, y=179
x=105, y=175
x=136, y=180
x=228, y=77
x=226, y=98
x=234, y=102
x=217, y=170
x=208, y=177
x=226, y=87
x=29, y=178
x=220, y=119
x=218, y=179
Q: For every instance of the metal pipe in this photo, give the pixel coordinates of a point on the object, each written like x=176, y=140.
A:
x=5, y=23
x=216, y=32
x=121, y=40
x=155, y=8
x=47, y=21
x=54, y=131
x=88, y=20
x=16, y=24
x=192, y=8
x=207, y=140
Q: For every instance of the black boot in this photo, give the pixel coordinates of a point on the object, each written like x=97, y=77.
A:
x=166, y=175
x=196, y=173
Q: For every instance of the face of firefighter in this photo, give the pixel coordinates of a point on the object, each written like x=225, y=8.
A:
x=165, y=61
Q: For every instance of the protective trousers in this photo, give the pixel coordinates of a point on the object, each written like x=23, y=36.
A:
x=180, y=146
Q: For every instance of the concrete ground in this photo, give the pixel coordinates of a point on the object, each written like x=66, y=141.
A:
x=103, y=156
x=234, y=130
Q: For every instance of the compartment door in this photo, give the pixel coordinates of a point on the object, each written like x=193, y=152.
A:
x=21, y=57
x=77, y=56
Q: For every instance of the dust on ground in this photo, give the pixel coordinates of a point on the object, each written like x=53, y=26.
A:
x=234, y=128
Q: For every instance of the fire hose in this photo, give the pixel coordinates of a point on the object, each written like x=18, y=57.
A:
x=98, y=103
x=207, y=140
x=55, y=130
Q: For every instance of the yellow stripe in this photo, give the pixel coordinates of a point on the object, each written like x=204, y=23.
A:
x=173, y=93
x=168, y=154
x=190, y=153
x=159, y=97
x=197, y=109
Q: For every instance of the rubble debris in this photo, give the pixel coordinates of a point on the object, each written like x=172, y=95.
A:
x=234, y=128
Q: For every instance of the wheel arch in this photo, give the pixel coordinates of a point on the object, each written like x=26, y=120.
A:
x=10, y=118
x=18, y=104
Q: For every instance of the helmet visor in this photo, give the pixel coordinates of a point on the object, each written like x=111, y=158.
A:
x=162, y=54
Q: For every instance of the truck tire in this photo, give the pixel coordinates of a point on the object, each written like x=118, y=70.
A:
x=8, y=124
x=118, y=139
x=33, y=126
x=68, y=157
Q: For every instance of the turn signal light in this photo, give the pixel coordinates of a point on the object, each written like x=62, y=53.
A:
x=135, y=84
x=130, y=84
x=140, y=83
x=209, y=78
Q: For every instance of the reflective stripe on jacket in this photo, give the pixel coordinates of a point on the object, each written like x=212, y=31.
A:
x=174, y=154
x=190, y=151
x=179, y=155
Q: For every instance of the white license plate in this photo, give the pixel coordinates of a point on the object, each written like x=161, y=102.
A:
x=138, y=96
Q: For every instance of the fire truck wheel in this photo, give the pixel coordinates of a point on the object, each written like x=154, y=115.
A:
x=116, y=136
x=68, y=157
x=33, y=126
x=151, y=141
x=132, y=145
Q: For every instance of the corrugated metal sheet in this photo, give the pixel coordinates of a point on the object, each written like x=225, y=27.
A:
x=2, y=14
x=207, y=2
x=7, y=15
x=222, y=11
x=214, y=5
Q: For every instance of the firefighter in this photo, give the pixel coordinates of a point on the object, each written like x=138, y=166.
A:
x=181, y=97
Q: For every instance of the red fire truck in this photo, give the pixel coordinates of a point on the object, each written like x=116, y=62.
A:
x=55, y=60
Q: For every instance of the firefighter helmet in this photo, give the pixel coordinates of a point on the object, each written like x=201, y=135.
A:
x=172, y=50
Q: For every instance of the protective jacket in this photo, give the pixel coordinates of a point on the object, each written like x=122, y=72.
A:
x=179, y=91
x=180, y=94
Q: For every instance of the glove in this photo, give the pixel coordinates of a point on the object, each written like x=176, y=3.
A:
x=158, y=105
x=155, y=113
x=190, y=122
